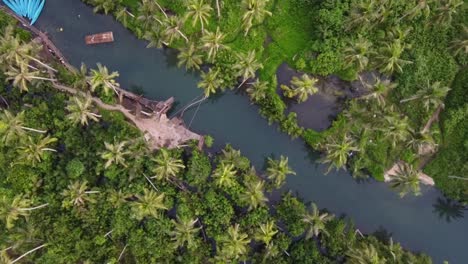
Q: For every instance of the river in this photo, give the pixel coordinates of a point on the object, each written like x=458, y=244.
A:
x=230, y=118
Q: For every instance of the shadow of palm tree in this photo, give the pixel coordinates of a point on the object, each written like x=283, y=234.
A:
x=448, y=209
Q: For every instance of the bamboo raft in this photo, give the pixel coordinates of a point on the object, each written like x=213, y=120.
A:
x=99, y=38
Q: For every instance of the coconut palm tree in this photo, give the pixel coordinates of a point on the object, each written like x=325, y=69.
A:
x=11, y=210
x=80, y=78
x=32, y=152
x=77, y=194
x=266, y=232
x=14, y=127
x=224, y=175
x=422, y=143
x=278, y=170
x=172, y=30
x=148, y=204
x=365, y=13
x=213, y=42
x=122, y=15
x=389, y=57
x=80, y=112
x=234, y=245
x=247, y=65
x=337, y=152
x=301, y=88
x=432, y=95
x=167, y=167
x=22, y=77
x=190, y=58
x=423, y=7
x=406, y=180
x=105, y=5
x=446, y=10
x=115, y=154
x=460, y=44
x=210, y=82
x=234, y=157
x=258, y=90
x=398, y=129
x=255, y=12
x=316, y=222
x=146, y=11
x=155, y=38
x=357, y=54
x=254, y=195
x=379, y=91
x=198, y=10
x=184, y=232
x=364, y=253
x=102, y=78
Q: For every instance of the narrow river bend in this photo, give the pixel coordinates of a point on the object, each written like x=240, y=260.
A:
x=231, y=119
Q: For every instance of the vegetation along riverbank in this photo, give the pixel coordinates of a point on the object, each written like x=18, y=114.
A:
x=79, y=184
x=408, y=56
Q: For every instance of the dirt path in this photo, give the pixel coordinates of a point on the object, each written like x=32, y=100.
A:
x=424, y=178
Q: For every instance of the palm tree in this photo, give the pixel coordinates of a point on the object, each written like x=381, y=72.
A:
x=380, y=90
x=406, y=180
x=357, y=54
x=14, y=127
x=301, y=87
x=421, y=8
x=234, y=157
x=199, y=11
x=210, y=82
x=184, y=232
x=146, y=10
x=234, y=246
x=115, y=154
x=155, y=38
x=316, y=222
x=80, y=78
x=255, y=12
x=213, y=42
x=104, y=5
x=423, y=143
x=258, y=90
x=11, y=210
x=365, y=253
x=224, y=175
x=172, y=30
x=446, y=10
x=337, y=152
x=460, y=45
x=77, y=194
x=247, y=65
x=122, y=15
x=22, y=77
x=167, y=166
x=266, y=232
x=254, y=195
x=190, y=58
x=80, y=112
x=432, y=95
x=398, y=129
x=365, y=13
x=148, y=204
x=278, y=170
x=390, y=57
x=102, y=78
x=33, y=152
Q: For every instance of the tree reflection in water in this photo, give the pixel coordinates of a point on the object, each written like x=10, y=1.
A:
x=449, y=209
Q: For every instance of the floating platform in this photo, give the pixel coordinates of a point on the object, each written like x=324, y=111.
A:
x=104, y=37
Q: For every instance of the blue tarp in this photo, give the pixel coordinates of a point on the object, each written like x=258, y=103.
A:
x=26, y=8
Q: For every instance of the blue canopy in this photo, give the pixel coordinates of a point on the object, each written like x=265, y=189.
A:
x=30, y=9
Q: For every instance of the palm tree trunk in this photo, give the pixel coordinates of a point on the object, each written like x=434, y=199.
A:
x=459, y=178
x=44, y=79
x=108, y=233
x=49, y=149
x=128, y=12
x=91, y=192
x=96, y=115
x=33, y=208
x=34, y=130
x=162, y=10
x=41, y=63
x=121, y=253
x=152, y=184
x=217, y=8
x=182, y=34
x=27, y=253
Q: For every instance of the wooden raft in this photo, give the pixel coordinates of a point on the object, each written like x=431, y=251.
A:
x=104, y=37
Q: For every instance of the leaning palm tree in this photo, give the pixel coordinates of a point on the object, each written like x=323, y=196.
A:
x=199, y=11
x=389, y=57
x=102, y=78
x=316, y=222
x=190, y=58
x=254, y=195
x=258, y=90
x=79, y=110
x=148, y=204
x=14, y=127
x=167, y=167
x=432, y=95
x=11, y=210
x=22, y=77
x=77, y=194
x=338, y=151
x=357, y=54
x=172, y=30
x=301, y=88
x=266, y=232
x=224, y=175
x=364, y=253
x=210, y=82
x=115, y=154
x=213, y=42
x=247, y=65
x=460, y=44
x=33, y=152
x=184, y=232
x=406, y=180
x=255, y=12
x=379, y=91
x=446, y=10
x=234, y=245
x=278, y=170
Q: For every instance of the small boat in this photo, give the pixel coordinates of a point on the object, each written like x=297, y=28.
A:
x=99, y=38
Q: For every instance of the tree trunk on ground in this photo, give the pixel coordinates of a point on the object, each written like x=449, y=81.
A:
x=27, y=253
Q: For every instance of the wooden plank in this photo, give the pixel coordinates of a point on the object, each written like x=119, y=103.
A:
x=104, y=37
